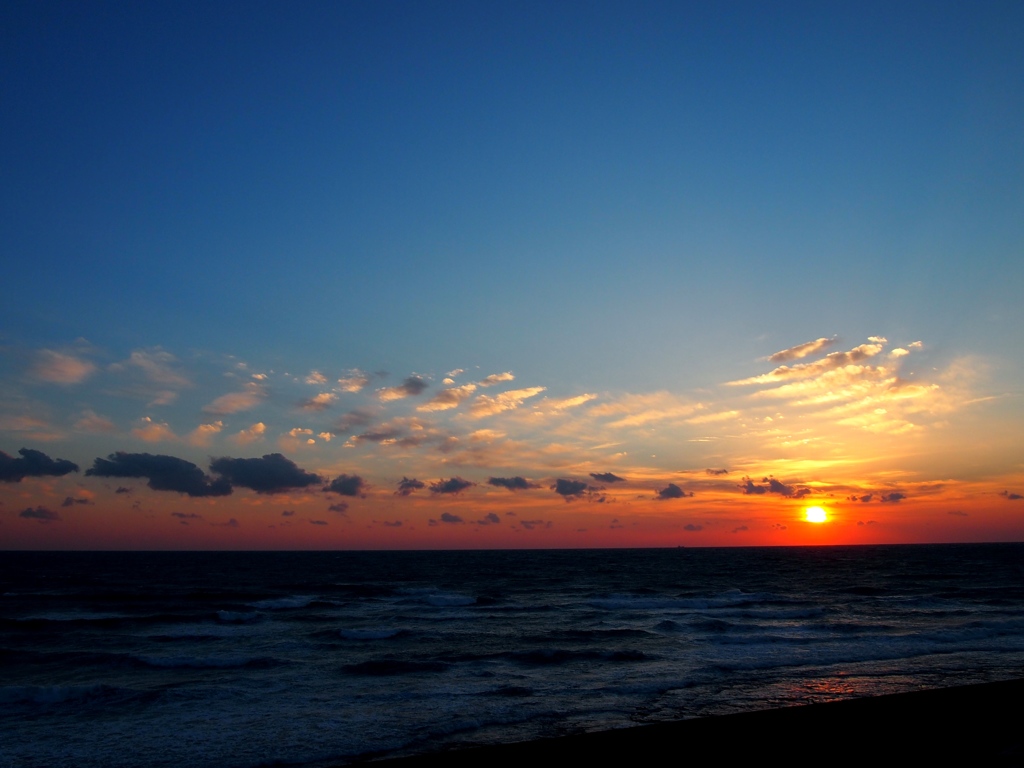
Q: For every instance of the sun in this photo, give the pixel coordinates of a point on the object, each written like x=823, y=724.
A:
x=815, y=515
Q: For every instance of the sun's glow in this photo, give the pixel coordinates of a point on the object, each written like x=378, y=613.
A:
x=815, y=515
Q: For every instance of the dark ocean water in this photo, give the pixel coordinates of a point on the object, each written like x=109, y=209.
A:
x=244, y=659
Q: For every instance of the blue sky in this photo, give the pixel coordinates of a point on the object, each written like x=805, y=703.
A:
x=603, y=198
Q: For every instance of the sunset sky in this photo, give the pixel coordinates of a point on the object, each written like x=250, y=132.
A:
x=448, y=275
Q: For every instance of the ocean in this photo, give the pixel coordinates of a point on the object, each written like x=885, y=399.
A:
x=315, y=658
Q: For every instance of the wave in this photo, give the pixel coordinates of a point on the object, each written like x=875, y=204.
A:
x=387, y=667
x=283, y=603
x=237, y=617
x=60, y=694
x=371, y=634
x=208, y=662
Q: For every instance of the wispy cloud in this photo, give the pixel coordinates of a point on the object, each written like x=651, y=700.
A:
x=204, y=433
x=251, y=434
x=801, y=350
x=485, y=405
x=60, y=368
x=448, y=398
x=412, y=386
x=154, y=431
x=235, y=402
x=496, y=378
x=806, y=370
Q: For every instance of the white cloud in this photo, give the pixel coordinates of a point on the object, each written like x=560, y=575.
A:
x=319, y=402
x=203, y=434
x=354, y=381
x=506, y=401
x=92, y=422
x=447, y=399
x=496, y=378
x=801, y=350
x=233, y=402
x=154, y=431
x=251, y=435
x=568, y=402
x=58, y=368
x=156, y=366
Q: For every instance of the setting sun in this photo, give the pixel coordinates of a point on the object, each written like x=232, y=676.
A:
x=815, y=515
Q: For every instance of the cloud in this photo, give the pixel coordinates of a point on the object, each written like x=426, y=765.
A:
x=186, y=515
x=801, y=350
x=532, y=524
x=496, y=378
x=91, y=422
x=638, y=410
x=272, y=473
x=568, y=402
x=412, y=386
x=1011, y=496
x=403, y=432
x=346, y=485
x=672, y=491
x=121, y=489
x=607, y=477
x=341, y=508
x=42, y=514
x=250, y=435
x=203, y=434
x=692, y=527
x=394, y=524
x=773, y=486
x=32, y=463
x=234, y=402
x=454, y=485
x=407, y=486
x=157, y=367
x=316, y=378
x=739, y=529
x=70, y=501
x=318, y=522
x=958, y=513
x=353, y=420
x=449, y=398
x=489, y=519
x=893, y=497
x=154, y=431
x=717, y=471
x=165, y=473
x=506, y=401
x=576, y=489
x=512, y=483
x=830, y=362
x=58, y=368
x=354, y=381
x=447, y=517
x=288, y=513
x=320, y=402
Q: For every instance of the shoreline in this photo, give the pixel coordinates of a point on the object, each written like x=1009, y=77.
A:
x=979, y=724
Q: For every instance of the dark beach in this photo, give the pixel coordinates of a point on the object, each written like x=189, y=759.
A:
x=968, y=725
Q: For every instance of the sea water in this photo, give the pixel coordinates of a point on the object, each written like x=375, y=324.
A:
x=248, y=659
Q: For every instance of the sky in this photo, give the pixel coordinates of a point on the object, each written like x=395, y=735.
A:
x=405, y=275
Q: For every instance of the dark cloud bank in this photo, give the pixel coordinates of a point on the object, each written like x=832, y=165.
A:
x=32, y=464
